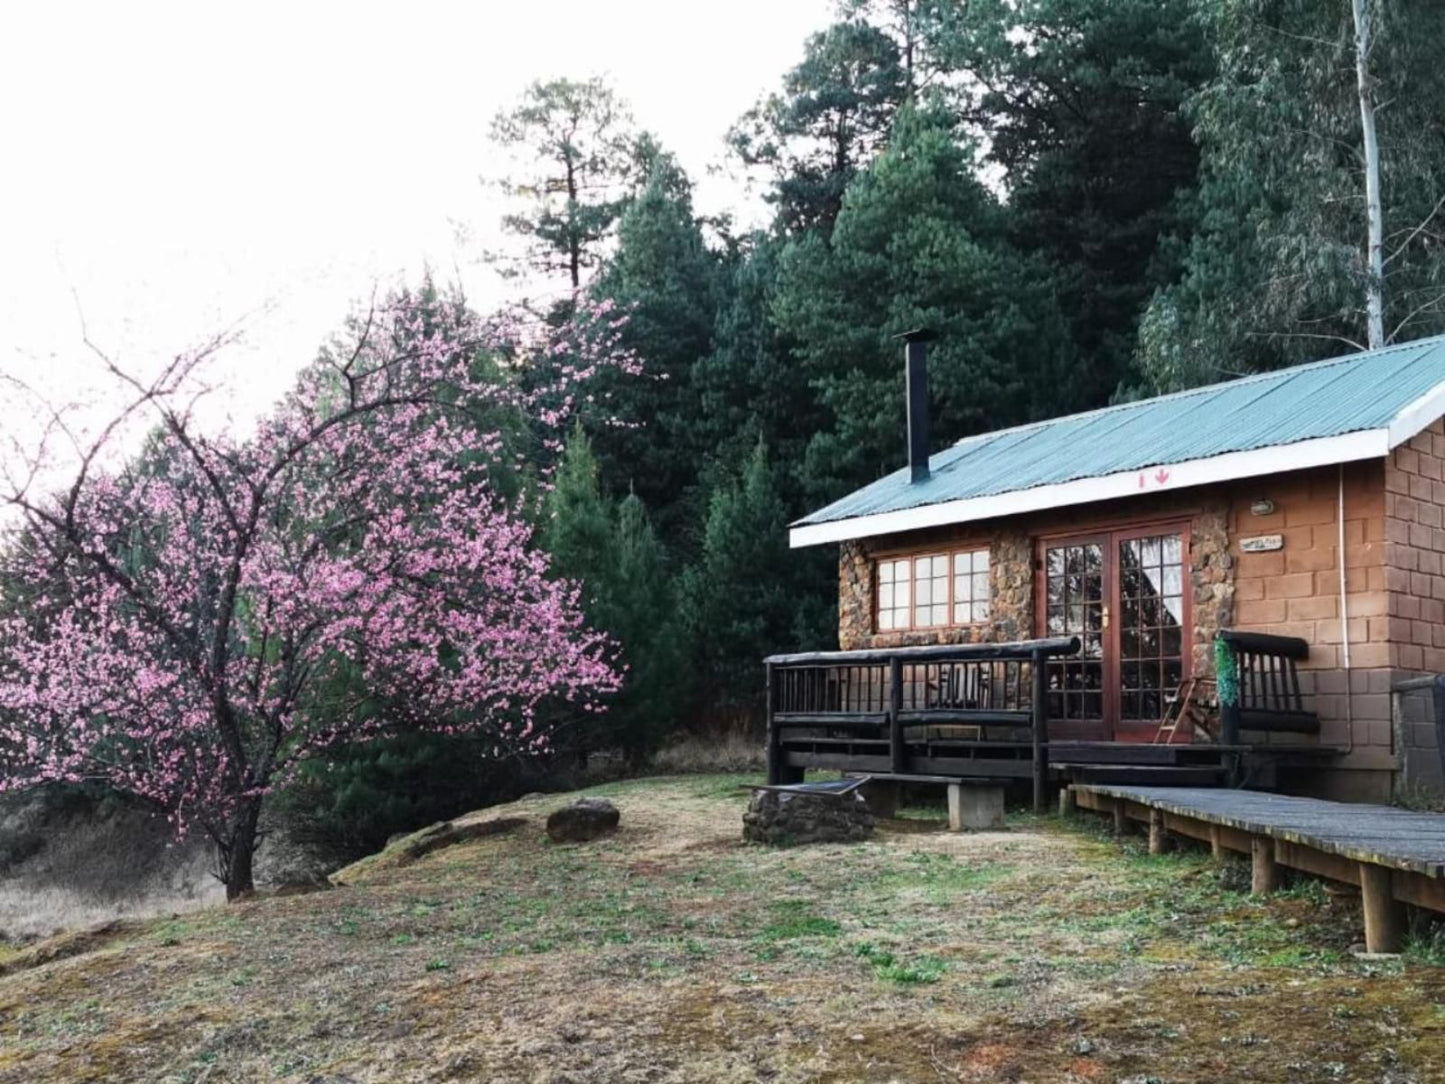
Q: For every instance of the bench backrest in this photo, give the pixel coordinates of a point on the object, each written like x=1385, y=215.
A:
x=1259, y=679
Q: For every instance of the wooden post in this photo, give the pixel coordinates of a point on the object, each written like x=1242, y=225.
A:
x=897, y=753
x=1067, y=802
x=1121, y=818
x=1040, y=732
x=1384, y=915
x=775, y=745
x=1216, y=843
x=1158, y=837
x=1264, y=871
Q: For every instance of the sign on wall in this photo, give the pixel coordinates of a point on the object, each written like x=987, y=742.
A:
x=1261, y=543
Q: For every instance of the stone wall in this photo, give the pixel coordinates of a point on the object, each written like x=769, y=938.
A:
x=1010, y=586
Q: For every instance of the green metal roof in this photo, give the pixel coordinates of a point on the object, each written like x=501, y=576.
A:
x=1369, y=391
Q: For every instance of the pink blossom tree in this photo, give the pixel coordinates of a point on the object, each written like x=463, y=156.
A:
x=193, y=625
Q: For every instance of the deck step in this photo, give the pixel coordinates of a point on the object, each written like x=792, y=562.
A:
x=1146, y=775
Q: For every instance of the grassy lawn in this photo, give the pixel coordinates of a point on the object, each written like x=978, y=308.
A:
x=673, y=952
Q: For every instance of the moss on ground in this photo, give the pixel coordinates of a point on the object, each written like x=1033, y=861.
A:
x=673, y=952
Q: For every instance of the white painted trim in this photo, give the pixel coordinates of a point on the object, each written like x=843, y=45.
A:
x=1417, y=416
x=1322, y=451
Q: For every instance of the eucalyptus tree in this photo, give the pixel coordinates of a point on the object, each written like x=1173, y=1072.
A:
x=1310, y=236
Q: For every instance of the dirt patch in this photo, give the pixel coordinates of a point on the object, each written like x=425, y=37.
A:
x=670, y=952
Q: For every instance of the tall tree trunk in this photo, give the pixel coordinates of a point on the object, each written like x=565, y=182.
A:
x=574, y=241
x=1375, y=250
x=238, y=852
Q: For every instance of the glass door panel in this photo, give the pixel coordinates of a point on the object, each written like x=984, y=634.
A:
x=1075, y=593
x=1152, y=639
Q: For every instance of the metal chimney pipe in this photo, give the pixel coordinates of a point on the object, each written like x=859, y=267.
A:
x=915, y=369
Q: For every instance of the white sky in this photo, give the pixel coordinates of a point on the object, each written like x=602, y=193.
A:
x=179, y=167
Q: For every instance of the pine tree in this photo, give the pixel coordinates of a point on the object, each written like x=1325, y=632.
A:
x=748, y=595
x=667, y=282
x=920, y=242
x=612, y=550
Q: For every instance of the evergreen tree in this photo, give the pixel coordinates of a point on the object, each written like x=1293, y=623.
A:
x=920, y=243
x=749, y=388
x=577, y=141
x=746, y=597
x=612, y=550
x=666, y=280
x=832, y=116
x=1082, y=107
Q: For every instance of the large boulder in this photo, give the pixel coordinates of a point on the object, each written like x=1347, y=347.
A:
x=584, y=819
x=791, y=817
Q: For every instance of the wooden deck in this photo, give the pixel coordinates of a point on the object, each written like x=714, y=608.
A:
x=1395, y=856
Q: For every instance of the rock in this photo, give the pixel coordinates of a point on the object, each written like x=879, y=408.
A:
x=302, y=886
x=583, y=820
x=419, y=844
x=790, y=818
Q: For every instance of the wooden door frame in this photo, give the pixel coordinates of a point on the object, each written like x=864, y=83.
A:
x=1111, y=537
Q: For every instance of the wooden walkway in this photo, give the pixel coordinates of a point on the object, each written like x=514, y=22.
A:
x=1395, y=856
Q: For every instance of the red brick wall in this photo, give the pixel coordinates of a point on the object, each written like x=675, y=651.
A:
x=1295, y=591
x=1414, y=526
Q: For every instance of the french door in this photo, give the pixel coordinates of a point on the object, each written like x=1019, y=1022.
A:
x=1122, y=593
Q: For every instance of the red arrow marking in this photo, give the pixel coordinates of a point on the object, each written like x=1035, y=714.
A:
x=1162, y=476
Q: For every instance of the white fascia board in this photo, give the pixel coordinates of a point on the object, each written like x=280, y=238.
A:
x=1322, y=451
x=1418, y=416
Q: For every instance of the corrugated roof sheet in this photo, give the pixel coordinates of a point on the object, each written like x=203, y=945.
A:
x=1327, y=398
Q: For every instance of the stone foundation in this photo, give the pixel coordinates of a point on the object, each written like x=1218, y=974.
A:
x=788, y=818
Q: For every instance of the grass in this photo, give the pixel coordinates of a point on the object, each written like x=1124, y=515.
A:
x=673, y=952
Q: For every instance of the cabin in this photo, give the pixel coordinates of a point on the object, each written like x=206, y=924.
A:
x=1230, y=581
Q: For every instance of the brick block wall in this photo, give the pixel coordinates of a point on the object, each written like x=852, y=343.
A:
x=1295, y=591
x=1414, y=525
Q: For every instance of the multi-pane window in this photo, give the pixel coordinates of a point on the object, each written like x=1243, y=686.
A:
x=970, y=587
x=933, y=590
x=894, y=583
x=1151, y=630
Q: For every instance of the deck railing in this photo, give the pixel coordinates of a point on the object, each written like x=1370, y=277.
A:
x=900, y=689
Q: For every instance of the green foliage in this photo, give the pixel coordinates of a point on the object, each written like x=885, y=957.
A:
x=354, y=800
x=612, y=550
x=742, y=597
x=577, y=138
x=1274, y=272
x=887, y=966
x=919, y=243
x=663, y=276
x=832, y=115
x=1083, y=111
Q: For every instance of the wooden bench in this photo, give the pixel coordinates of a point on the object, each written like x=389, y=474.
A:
x=972, y=803
x=1258, y=684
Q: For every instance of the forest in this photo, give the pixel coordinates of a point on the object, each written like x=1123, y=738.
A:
x=1088, y=200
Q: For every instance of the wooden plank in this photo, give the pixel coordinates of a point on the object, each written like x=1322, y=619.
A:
x=1383, y=835
x=1020, y=650
x=1270, y=854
